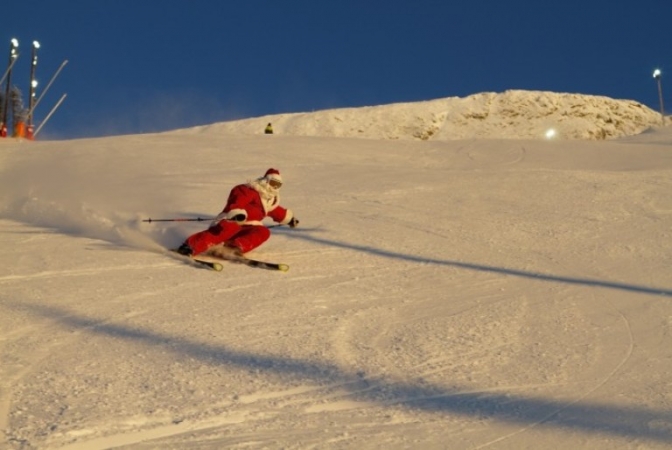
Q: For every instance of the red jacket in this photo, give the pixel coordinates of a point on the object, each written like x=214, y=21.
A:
x=246, y=200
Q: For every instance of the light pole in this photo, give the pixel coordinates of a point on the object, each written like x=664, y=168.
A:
x=13, y=54
x=31, y=96
x=33, y=87
x=657, y=75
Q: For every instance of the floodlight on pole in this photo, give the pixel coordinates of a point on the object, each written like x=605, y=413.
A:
x=33, y=86
x=13, y=54
x=46, y=88
x=658, y=75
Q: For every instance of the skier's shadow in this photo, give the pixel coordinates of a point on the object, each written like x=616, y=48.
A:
x=484, y=268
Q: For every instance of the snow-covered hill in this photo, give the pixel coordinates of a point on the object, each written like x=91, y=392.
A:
x=513, y=114
x=476, y=294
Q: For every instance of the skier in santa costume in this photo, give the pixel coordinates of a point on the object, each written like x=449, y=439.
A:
x=239, y=225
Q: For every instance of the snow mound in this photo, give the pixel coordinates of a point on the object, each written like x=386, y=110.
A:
x=514, y=114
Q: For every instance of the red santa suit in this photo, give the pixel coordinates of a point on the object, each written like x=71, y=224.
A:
x=239, y=225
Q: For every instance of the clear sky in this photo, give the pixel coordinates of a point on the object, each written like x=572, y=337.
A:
x=153, y=65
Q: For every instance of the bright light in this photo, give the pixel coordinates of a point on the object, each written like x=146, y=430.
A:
x=34, y=83
x=657, y=73
x=36, y=44
x=15, y=42
x=550, y=134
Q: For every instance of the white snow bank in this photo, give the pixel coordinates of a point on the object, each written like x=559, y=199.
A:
x=513, y=114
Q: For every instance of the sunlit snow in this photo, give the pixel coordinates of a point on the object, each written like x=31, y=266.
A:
x=458, y=281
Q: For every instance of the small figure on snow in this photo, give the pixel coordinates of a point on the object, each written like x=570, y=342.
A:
x=239, y=226
x=268, y=129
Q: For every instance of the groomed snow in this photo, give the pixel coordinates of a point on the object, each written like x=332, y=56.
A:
x=467, y=293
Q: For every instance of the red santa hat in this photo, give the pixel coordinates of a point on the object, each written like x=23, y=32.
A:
x=273, y=174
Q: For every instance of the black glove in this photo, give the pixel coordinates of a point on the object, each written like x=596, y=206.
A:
x=239, y=218
x=293, y=223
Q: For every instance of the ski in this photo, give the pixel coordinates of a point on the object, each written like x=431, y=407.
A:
x=214, y=262
x=200, y=261
x=258, y=264
x=223, y=253
x=214, y=265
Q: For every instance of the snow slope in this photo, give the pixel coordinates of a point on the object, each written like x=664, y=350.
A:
x=464, y=294
x=512, y=114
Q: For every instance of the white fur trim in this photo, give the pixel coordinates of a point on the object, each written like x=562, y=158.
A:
x=219, y=218
x=270, y=198
x=288, y=217
x=274, y=176
x=228, y=216
x=234, y=212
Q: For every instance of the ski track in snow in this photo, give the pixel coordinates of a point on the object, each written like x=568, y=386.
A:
x=78, y=272
x=338, y=397
x=586, y=394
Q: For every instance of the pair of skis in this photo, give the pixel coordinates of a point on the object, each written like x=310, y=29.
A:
x=217, y=263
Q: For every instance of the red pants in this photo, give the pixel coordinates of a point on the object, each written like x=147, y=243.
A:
x=245, y=237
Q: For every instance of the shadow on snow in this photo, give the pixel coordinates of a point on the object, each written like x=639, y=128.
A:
x=482, y=267
x=577, y=415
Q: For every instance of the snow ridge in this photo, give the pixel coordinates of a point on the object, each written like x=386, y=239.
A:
x=514, y=114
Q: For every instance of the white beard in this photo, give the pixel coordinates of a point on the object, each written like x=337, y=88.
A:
x=270, y=196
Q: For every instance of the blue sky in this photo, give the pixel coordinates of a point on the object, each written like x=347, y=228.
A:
x=143, y=65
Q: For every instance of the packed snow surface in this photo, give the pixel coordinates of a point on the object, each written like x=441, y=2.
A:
x=469, y=293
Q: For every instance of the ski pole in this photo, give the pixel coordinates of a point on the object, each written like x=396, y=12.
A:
x=198, y=219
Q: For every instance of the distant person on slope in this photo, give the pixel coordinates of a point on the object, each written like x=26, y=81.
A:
x=268, y=129
x=239, y=226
